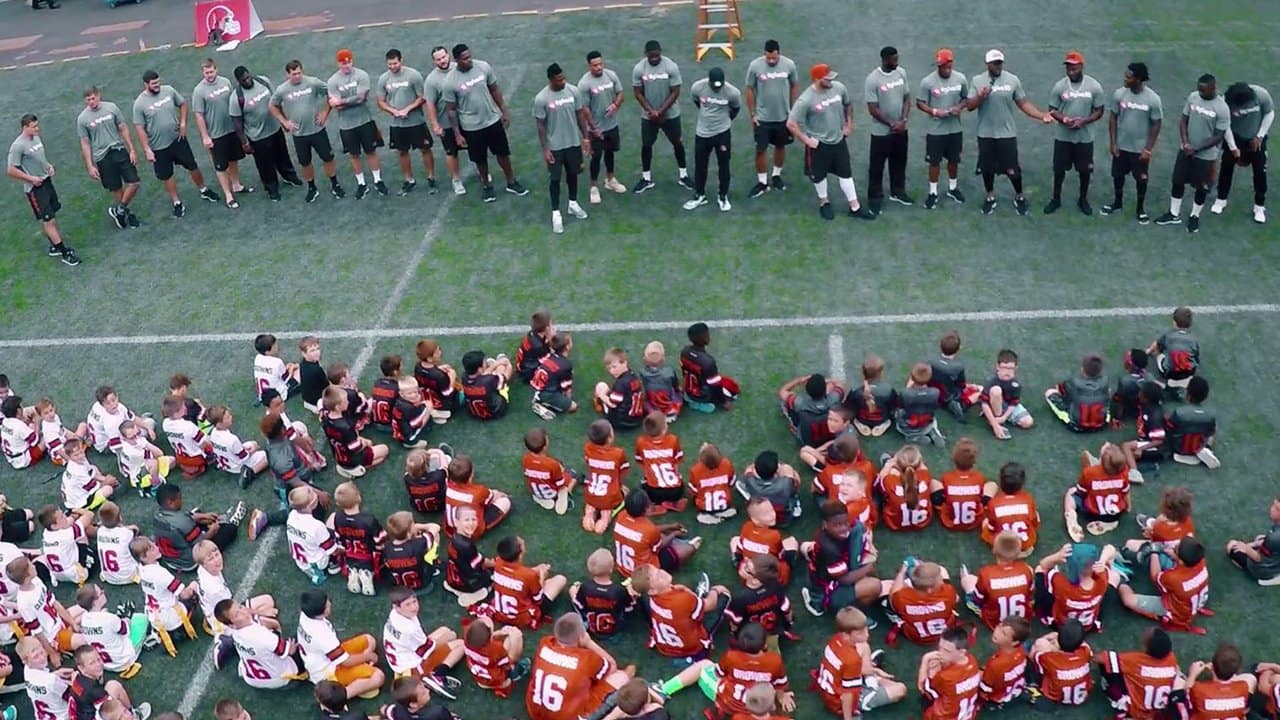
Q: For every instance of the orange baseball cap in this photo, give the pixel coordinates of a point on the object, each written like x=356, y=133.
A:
x=1074, y=58
x=822, y=71
x=345, y=55
x=943, y=56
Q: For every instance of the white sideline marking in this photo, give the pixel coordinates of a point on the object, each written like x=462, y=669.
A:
x=835, y=348
x=379, y=332
x=267, y=541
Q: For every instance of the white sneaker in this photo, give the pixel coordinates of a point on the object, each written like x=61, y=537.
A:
x=1135, y=477
x=1218, y=206
x=697, y=202
x=723, y=201
x=594, y=195
x=576, y=210
x=614, y=185
x=142, y=710
x=353, y=581
x=1207, y=457
x=350, y=473
x=366, y=583
x=1260, y=214
x=459, y=188
x=440, y=417
x=557, y=222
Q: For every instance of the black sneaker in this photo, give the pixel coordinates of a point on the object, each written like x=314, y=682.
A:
x=361, y=190
x=902, y=198
x=862, y=213
x=1111, y=209
x=313, y=193
x=515, y=188
x=1053, y=206
x=294, y=180
x=122, y=221
x=431, y=186
x=1143, y=218
x=876, y=205
x=1020, y=204
x=133, y=219
x=956, y=195
x=69, y=256
x=487, y=194
x=641, y=186
x=778, y=183
x=988, y=206
x=758, y=189
x=274, y=195
x=179, y=210
x=381, y=187
x=209, y=195
x=686, y=181
x=1168, y=219
x=338, y=192
x=407, y=187
x=931, y=201
x=1193, y=224
x=826, y=211
x=54, y=250
x=1084, y=207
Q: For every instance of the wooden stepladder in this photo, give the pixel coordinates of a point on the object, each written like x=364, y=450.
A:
x=715, y=17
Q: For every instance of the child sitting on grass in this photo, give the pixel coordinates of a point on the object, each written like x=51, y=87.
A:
x=1002, y=397
x=141, y=462
x=272, y=373
x=603, y=604
x=243, y=459
x=712, y=480
x=659, y=455
x=705, y=389
x=606, y=466
x=425, y=478
x=661, y=391
x=550, y=483
x=622, y=402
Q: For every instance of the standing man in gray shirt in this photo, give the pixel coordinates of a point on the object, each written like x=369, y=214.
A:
x=1205, y=124
x=1076, y=102
x=107, y=148
x=821, y=119
x=771, y=88
x=564, y=133
x=211, y=104
x=603, y=92
x=301, y=106
x=888, y=98
x=349, y=97
x=160, y=116
x=28, y=165
x=438, y=115
x=718, y=103
x=1252, y=112
x=943, y=94
x=259, y=132
x=1136, y=116
x=479, y=116
x=656, y=81
x=401, y=94
x=994, y=94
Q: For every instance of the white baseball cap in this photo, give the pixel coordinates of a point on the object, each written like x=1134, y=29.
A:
x=994, y=55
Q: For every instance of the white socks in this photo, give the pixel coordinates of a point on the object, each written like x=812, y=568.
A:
x=648, y=176
x=684, y=172
x=359, y=178
x=1196, y=210
x=377, y=175
x=850, y=192
x=1175, y=206
x=762, y=178
x=933, y=188
x=820, y=187
x=777, y=170
x=953, y=183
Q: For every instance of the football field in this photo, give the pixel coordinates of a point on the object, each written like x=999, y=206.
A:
x=785, y=293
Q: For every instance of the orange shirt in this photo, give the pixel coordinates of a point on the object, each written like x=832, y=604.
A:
x=460, y=495
x=1104, y=494
x=954, y=691
x=606, y=466
x=1004, y=589
x=635, y=543
x=962, y=499
x=925, y=615
x=897, y=513
x=562, y=681
x=660, y=458
x=833, y=473
x=1004, y=676
x=1016, y=513
x=1164, y=530
x=489, y=665
x=545, y=475
x=840, y=672
x=1066, y=677
x=738, y=671
x=712, y=487
x=864, y=511
x=1147, y=681
x=675, y=623
x=1219, y=700
x=1183, y=591
x=1073, y=601
x=754, y=541
x=517, y=594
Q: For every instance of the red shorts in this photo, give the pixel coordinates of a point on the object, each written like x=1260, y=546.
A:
x=360, y=458
x=191, y=465
x=664, y=402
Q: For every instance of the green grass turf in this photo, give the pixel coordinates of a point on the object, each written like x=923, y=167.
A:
x=332, y=266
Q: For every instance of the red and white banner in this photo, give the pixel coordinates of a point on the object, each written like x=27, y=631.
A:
x=236, y=19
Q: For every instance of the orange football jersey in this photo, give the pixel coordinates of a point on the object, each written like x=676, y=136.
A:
x=840, y=672
x=544, y=475
x=1016, y=513
x=1104, y=494
x=1066, y=677
x=961, y=507
x=675, y=623
x=1004, y=676
x=897, y=513
x=1004, y=589
x=517, y=594
x=1219, y=700
x=635, y=543
x=1147, y=681
x=738, y=671
x=564, y=682
x=660, y=458
x=833, y=473
x=1184, y=590
x=712, y=487
x=754, y=541
x=1074, y=601
x=925, y=615
x=606, y=466
x=489, y=665
x=1164, y=530
x=864, y=511
x=953, y=691
x=460, y=495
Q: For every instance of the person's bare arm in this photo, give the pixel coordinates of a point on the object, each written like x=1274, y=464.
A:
x=672, y=96
x=1029, y=109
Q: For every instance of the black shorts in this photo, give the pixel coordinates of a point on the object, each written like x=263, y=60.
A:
x=179, y=154
x=610, y=141
x=414, y=137
x=319, y=142
x=364, y=139
x=567, y=162
x=998, y=155
x=1072, y=155
x=943, y=147
x=669, y=559
x=486, y=140
x=772, y=133
x=1193, y=171
x=659, y=495
x=14, y=526
x=115, y=170
x=1129, y=163
x=226, y=150
x=670, y=127
x=449, y=143
x=44, y=201
x=828, y=159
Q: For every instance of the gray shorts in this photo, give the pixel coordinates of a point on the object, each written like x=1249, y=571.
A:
x=874, y=694
x=1149, y=604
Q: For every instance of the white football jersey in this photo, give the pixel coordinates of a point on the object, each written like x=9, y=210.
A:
x=50, y=695
x=404, y=642
x=228, y=452
x=36, y=608
x=52, y=433
x=104, y=427
x=16, y=440
x=109, y=634
x=160, y=588
x=211, y=589
x=61, y=550
x=116, y=565
x=8, y=588
x=79, y=483
x=310, y=542
x=184, y=437
x=270, y=372
x=133, y=456
x=321, y=649
x=264, y=657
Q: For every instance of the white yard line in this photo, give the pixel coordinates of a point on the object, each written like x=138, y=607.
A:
x=835, y=348
x=380, y=330
x=267, y=542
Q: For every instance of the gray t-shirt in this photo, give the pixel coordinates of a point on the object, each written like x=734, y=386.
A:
x=657, y=81
x=470, y=92
x=600, y=92
x=944, y=93
x=400, y=89
x=101, y=128
x=772, y=85
x=354, y=90
x=212, y=101
x=433, y=91
x=27, y=154
x=1247, y=120
x=889, y=89
x=820, y=113
x=559, y=108
x=995, y=114
x=302, y=103
x=1135, y=113
x=714, y=107
x=158, y=115
x=253, y=107
x=1076, y=101
x=1206, y=118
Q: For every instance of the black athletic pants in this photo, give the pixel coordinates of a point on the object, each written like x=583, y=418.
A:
x=891, y=148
